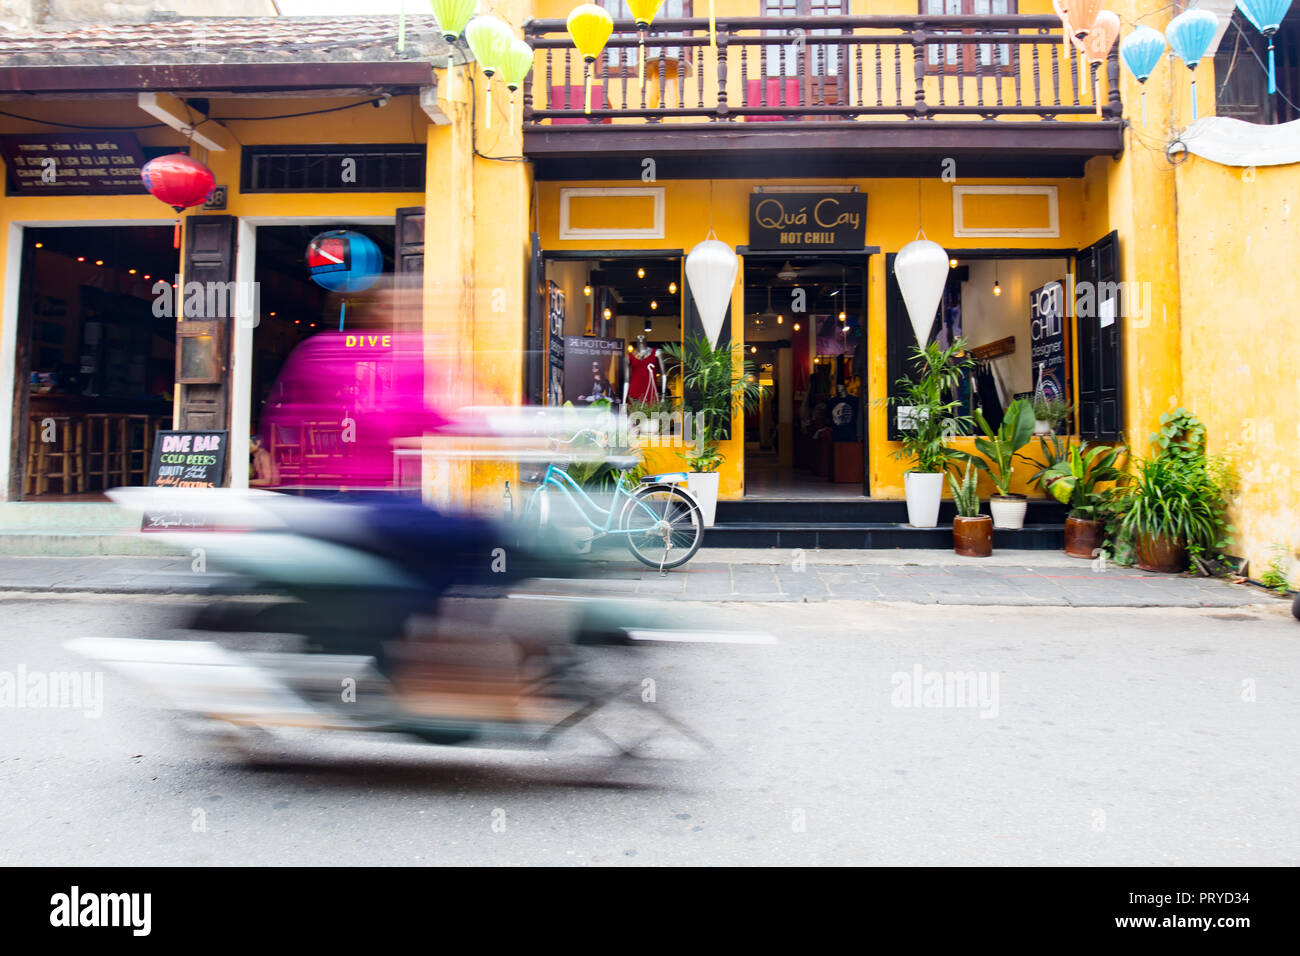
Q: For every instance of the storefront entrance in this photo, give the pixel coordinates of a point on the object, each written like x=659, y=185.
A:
x=805, y=317
x=95, y=358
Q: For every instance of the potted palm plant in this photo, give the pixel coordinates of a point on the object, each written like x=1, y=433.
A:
x=999, y=449
x=928, y=419
x=715, y=380
x=1049, y=413
x=1072, y=478
x=972, y=532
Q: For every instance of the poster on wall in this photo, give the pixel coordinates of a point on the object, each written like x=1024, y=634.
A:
x=1048, y=343
x=554, y=344
x=593, y=369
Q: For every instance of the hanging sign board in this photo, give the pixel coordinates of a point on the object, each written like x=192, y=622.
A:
x=84, y=164
x=807, y=221
x=1048, y=342
x=593, y=369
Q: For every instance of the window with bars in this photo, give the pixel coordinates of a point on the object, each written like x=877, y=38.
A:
x=969, y=57
x=621, y=59
x=397, y=167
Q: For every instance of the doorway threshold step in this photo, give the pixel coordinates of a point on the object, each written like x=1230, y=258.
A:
x=857, y=511
x=870, y=535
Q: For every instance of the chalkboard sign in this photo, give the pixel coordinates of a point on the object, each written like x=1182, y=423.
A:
x=188, y=459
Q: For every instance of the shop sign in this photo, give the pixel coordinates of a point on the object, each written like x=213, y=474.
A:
x=807, y=221
x=188, y=460
x=1048, y=348
x=82, y=164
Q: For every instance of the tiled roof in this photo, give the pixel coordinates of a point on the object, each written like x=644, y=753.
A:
x=204, y=40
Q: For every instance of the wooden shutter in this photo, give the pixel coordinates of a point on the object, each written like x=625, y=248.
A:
x=209, y=257
x=899, y=341
x=1101, y=411
x=408, y=261
x=692, y=326
x=535, y=332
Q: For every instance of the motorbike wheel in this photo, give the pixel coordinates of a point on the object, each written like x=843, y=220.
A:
x=664, y=526
x=1295, y=606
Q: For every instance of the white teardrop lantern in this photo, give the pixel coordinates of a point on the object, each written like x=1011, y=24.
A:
x=711, y=269
x=922, y=267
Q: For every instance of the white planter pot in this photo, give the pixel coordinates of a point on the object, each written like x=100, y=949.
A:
x=704, y=486
x=1042, y=427
x=923, y=489
x=1008, y=513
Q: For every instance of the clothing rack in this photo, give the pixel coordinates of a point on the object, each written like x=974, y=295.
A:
x=994, y=349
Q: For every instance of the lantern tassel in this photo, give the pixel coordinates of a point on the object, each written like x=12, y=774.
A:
x=512, y=111
x=343, y=310
x=1272, y=75
x=713, y=30
x=640, y=57
x=1144, y=106
x=176, y=234
x=487, y=102
x=586, y=81
x=1193, y=97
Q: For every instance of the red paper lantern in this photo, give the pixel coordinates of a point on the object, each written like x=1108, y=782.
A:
x=178, y=181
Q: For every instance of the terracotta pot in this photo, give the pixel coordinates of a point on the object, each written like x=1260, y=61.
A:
x=1158, y=553
x=1082, y=537
x=973, y=537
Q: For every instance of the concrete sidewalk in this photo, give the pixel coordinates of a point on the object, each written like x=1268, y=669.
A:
x=1009, y=578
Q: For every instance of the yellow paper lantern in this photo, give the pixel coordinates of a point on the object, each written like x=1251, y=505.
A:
x=590, y=27
x=515, y=67
x=489, y=39
x=643, y=14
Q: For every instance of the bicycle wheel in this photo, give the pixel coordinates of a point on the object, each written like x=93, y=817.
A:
x=664, y=526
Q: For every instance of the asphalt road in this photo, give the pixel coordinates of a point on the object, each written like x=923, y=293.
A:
x=1111, y=736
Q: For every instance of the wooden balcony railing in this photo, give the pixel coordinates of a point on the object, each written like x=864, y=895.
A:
x=808, y=69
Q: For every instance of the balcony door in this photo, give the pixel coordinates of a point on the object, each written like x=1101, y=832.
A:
x=802, y=71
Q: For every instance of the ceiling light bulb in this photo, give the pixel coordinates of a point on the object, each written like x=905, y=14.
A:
x=952, y=263
x=843, y=317
x=586, y=290
x=608, y=313
x=780, y=319
x=796, y=326
x=40, y=245
x=654, y=304
x=672, y=288
x=131, y=271
x=640, y=273
x=753, y=348
x=997, y=289
x=81, y=258
x=99, y=262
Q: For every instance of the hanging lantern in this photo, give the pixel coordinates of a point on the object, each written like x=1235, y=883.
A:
x=1190, y=35
x=589, y=26
x=711, y=269
x=921, y=268
x=489, y=39
x=452, y=15
x=180, y=182
x=344, y=261
x=515, y=66
x=1266, y=16
x=1082, y=14
x=643, y=14
x=1105, y=29
x=1141, y=52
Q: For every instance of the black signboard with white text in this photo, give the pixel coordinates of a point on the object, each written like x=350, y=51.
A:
x=92, y=163
x=804, y=222
x=188, y=460
x=1048, y=342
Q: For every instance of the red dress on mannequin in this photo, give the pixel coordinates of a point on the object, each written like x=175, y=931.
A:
x=643, y=377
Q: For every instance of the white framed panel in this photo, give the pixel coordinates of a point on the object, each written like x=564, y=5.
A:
x=1051, y=231
x=656, y=231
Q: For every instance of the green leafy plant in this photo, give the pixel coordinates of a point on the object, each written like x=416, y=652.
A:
x=1073, y=480
x=717, y=379
x=1274, y=576
x=999, y=447
x=1184, y=500
x=1051, y=410
x=1181, y=436
x=934, y=417
x=965, y=494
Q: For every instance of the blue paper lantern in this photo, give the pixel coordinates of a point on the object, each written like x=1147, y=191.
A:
x=1141, y=52
x=1266, y=16
x=1190, y=35
x=344, y=261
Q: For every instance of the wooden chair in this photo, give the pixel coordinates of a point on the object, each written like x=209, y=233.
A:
x=62, y=459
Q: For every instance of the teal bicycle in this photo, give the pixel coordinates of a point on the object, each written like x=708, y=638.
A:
x=660, y=520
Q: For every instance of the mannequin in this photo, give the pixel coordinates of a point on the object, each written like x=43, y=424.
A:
x=646, y=379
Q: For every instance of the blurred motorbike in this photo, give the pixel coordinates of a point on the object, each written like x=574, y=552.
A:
x=380, y=614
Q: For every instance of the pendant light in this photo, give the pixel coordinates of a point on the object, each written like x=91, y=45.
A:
x=489, y=39
x=844, y=297
x=711, y=269
x=589, y=26
x=1190, y=34
x=1266, y=17
x=921, y=268
x=1142, y=50
x=997, y=289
